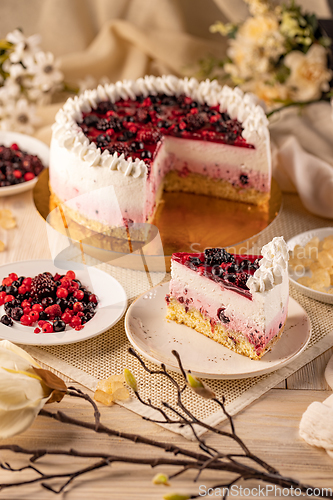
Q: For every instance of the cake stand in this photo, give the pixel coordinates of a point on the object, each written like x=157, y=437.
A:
x=183, y=223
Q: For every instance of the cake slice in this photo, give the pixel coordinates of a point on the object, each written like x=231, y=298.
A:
x=240, y=301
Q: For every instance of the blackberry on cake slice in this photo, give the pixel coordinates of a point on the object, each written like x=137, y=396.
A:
x=240, y=301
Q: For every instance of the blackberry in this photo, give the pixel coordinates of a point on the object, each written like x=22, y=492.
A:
x=143, y=115
x=217, y=256
x=241, y=281
x=232, y=278
x=102, y=124
x=245, y=264
x=194, y=122
x=6, y=320
x=42, y=286
x=105, y=106
x=90, y=120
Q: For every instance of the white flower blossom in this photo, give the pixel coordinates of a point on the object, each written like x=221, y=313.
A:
x=309, y=75
x=20, y=116
x=24, y=47
x=46, y=74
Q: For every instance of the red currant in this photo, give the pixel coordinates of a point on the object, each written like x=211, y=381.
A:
x=22, y=289
x=17, y=174
x=65, y=283
x=9, y=298
x=26, y=310
x=47, y=328
x=62, y=293
x=41, y=323
x=74, y=285
x=34, y=315
x=25, y=303
x=7, y=281
x=79, y=294
x=37, y=307
x=26, y=320
x=77, y=307
x=13, y=276
x=27, y=283
x=75, y=322
x=14, y=147
x=66, y=318
x=28, y=176
x=70, y=275
x=93, y=298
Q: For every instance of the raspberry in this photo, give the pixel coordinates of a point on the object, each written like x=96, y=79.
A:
x=53, y=310
x=149, y=136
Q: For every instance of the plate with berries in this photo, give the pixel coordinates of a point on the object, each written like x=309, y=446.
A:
x=41, y=304
x=22, y=159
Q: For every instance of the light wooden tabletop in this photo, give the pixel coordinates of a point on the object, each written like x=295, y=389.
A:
x=269, y=426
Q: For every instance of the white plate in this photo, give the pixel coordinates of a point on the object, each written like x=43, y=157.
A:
x=302, y=239
x=155, y=337
x=30, y=145
x=111, y=306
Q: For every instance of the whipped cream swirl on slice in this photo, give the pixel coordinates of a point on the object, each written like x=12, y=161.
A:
x=272, y=266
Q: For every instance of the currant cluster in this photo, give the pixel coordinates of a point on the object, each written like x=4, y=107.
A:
x=17, y=166
x=133, y=128
x=51, y=302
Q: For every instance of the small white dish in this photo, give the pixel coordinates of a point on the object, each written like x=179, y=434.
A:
x=155, y=337
x=31, y=146
x=302, y=239
x=111, y=307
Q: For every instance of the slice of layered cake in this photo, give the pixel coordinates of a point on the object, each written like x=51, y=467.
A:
x=239, y=301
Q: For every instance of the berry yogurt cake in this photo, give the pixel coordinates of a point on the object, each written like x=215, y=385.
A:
x=239, y=301
x=116, y=148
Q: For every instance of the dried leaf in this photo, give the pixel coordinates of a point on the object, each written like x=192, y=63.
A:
x=199, y=387
x=50, y=379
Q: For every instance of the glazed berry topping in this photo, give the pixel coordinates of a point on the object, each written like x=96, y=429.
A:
x=51, y=301
x=222, y=317
x=134, y=127
x=17, y=166
x=231, y=271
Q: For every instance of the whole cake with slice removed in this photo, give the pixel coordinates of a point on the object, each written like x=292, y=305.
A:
x=239, y=301
x=114, y=149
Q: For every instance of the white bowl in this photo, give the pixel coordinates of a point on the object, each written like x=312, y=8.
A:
x=302, y=239
x=30, y=145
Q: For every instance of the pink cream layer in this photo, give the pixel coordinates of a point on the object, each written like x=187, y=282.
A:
x=213, y=311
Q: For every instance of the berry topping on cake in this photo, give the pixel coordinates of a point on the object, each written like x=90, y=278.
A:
x=145, y=121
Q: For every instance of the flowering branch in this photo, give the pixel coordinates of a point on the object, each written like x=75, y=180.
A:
x=243, y=465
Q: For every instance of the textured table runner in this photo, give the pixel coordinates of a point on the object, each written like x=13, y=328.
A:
x=98, y=358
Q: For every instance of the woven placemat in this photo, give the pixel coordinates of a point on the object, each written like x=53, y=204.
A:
x=87, y=362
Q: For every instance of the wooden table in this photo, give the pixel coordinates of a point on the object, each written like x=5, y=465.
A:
x=269, y=426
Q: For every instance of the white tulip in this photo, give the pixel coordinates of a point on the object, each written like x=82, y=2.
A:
x=22, y=391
